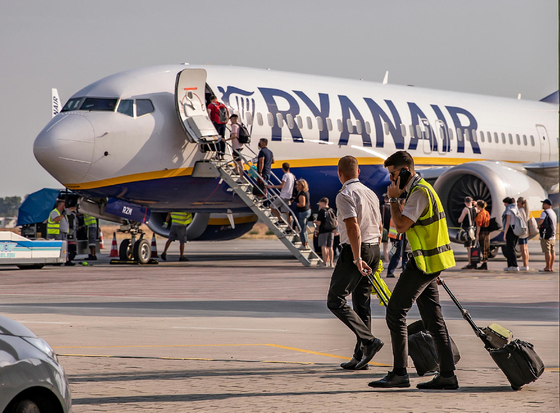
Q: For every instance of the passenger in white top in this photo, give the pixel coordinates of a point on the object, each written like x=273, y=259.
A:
x=282, y=204
x=547, y=230
x=236, y=145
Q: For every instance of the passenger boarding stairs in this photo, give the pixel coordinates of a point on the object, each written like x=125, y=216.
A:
x=243, y=187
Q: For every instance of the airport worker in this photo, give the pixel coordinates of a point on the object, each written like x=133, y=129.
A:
x=360, y=228
x=265, y=159
x=467, y=220
x=91, y=226
x=178, y=232
x=423, y=221
x=236, y=145
x=482, y=221
x=386, y=217
x=547, y=232
x=325, y=232
x=509, y=236
x=57, y=225
x=303, y=211
x=398, y=245
x=282, y=205
x=219, y=115
x=524, y=215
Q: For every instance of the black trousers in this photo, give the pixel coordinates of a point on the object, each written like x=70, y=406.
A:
x=511, y=242
x=221, y=145
x=347, y=279
x=415, y=285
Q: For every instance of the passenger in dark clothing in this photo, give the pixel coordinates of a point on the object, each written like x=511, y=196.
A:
x=303, y=210
x=386, y=219
x=265, y=160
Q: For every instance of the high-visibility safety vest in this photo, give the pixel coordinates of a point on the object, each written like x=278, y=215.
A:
x=181, y=218
x=89, y=220
x=53, y=228
x=393, y=234
x=428, y=236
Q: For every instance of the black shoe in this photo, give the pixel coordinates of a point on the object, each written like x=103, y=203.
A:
x=468, y=267
x=351, y=365
x=369, y=352
x=484, y=266
x=94, y=258
x=90, y=258
x=183, y=259
x=164, y=256
x=391, y=380
x=69, y=264
x=390, y=276
x=440, y=383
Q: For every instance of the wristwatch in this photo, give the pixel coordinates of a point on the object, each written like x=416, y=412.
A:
x=393, y=200
x=356, y=260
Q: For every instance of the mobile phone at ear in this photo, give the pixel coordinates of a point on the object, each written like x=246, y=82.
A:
x=404, y=174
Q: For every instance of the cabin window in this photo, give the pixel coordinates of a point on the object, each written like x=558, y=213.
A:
x=481, y=136
x=143, y=107
x=358, y=127
x=419, y=132
x=467, y=135
x=280, y=120
x=270, y=119
x=504, y=138
x=339, y=124
x=450, y=134
x=126, y=107
x=299, y=122
x=525, y=140
x=411, y=130
x=518, y=139
x=368, y=127
x=349, y=126
x=459, y=135
x=403, y=130
x=319, y=123
x=249, y=118
x=309, y=123
x=386, y=128
x=489, y=136
x=474, y=137
x=290, y=121
x=510, y=139
x=260, y=119
x=532, y=141
x=329, y=124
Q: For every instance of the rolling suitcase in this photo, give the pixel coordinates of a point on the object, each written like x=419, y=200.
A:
x=517, y=359
x=423, y=351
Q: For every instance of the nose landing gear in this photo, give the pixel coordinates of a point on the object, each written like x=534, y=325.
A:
x=133, y=250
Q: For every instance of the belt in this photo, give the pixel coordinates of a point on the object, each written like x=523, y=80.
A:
x=364, y=244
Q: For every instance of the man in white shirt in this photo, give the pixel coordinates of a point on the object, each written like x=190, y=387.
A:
x=360, y=229
x=282, y=204
x=547, y=232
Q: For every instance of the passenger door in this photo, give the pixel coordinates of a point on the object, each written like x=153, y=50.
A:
x=542, y=137
x=191, y=107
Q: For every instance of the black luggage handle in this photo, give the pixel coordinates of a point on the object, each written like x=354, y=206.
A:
x=379, y=291
x=466, y=315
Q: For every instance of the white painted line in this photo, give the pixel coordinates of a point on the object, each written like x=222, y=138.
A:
x=235, y=329
x=42, y=322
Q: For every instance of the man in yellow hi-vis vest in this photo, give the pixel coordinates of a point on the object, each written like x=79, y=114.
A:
x=423, y=220
x=57, y=225
x=179, y=222
x=90, y=223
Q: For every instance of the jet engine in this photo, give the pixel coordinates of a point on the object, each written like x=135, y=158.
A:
x=490, y=181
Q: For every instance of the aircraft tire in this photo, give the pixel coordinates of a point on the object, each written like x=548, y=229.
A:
x=142, y=251
x=125, y=250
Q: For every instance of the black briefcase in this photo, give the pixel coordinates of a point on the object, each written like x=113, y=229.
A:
x=519, y=362
x=423, y=351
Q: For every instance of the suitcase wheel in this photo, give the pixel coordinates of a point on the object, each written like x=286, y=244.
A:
x=515, y=388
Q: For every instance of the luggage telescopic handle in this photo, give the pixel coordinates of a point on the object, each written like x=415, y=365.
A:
x=466, y=315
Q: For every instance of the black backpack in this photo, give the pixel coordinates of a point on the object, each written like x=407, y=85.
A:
x=243, y=135
x=546, y=228
x=331, y=222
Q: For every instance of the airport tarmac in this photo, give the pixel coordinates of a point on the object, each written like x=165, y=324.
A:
x=244, y=326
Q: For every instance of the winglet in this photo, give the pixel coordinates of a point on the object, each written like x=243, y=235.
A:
x=55, y=102
x=386, y=78
x=552, y=98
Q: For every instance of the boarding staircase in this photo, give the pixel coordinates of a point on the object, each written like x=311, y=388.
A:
x=243, y=186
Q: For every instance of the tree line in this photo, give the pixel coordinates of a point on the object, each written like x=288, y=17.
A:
x=9, y=206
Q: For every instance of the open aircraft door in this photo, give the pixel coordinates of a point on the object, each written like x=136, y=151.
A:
x=191, y=108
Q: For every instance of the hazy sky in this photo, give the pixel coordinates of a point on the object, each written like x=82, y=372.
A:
x=491, y=47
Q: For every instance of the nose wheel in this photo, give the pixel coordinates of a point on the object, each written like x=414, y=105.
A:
x=133, y=251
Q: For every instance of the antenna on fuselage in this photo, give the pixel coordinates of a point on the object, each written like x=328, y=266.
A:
x=386, y=78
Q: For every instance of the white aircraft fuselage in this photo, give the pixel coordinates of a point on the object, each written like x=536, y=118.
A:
x=124, y=149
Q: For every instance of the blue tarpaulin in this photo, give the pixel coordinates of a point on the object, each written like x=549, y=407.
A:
x=37, y=206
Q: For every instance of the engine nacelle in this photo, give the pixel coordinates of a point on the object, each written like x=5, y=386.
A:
x=207, y=226
x=490, y=181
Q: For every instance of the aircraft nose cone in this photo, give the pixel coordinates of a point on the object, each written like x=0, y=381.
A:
x=65, y=147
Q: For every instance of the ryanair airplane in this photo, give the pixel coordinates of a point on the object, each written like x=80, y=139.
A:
x=130, y=143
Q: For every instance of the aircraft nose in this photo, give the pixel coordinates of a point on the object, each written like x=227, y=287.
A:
x=65, y=147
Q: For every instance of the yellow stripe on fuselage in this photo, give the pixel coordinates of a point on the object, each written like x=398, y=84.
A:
x=294, y=163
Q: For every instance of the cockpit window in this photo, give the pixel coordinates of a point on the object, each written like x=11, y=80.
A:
x=125, y=107
x=72, y=104
x=143, y=106
x=99, y=104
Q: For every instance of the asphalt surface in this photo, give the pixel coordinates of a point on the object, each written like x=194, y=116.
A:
x=244, y=327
